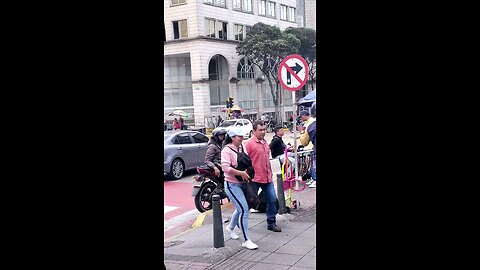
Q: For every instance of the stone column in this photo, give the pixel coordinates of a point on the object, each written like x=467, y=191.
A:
x=200, y=87
x=201, y=101
x=259, y=82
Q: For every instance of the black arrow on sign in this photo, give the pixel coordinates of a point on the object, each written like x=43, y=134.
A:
x=297, y=69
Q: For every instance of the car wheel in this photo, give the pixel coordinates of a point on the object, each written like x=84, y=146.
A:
x=177, y=169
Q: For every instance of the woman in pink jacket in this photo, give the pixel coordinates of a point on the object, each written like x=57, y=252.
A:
x=234, y=188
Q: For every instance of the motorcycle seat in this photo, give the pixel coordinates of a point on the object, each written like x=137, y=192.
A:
x=204, y=169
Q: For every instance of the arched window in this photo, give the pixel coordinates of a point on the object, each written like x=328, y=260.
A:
x=245, y=69
x=218, y=74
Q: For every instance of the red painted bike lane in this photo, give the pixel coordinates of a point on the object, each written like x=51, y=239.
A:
x=178, y=198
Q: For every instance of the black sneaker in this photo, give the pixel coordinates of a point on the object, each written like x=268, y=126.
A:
x=274, y=228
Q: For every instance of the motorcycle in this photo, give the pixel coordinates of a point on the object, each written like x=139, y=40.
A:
x=205, y=185
x=289, y=125
x=269, y=126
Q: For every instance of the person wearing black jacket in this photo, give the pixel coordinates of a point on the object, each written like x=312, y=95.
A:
x=277, y=146
x=214, y=148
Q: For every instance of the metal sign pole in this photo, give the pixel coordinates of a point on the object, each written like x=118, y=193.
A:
x=295, y=141
x=285, y=73
x=297, y=185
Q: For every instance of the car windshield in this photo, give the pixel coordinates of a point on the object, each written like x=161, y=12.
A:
x=227, y=123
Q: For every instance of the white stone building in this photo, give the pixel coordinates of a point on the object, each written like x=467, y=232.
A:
x=202, y=68
x=306, y=13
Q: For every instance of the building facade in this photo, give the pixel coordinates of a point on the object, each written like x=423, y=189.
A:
x=201, y=66
x=306, y=13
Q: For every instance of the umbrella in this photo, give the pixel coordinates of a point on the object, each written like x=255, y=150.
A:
x=178, y=113
x=311, y=96
x=236, y=108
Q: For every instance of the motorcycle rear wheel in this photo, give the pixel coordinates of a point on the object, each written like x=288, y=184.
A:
x=203, y=199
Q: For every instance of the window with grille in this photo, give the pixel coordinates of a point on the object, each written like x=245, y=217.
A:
x=247, y=94
x=180, y=29
x=266, y=8
x=218, y=74
x=283, y=12
x=241, y=31
x=177, y=2
x=238, y=32
x=220, y=3
x=221, y=28
x=262, y=8
x=287, y=13
x=245, y=69
x=210, y=28
x=177, y=79
x=291, y=14
x=216, y=29
x=271, y=9
x=242, y=5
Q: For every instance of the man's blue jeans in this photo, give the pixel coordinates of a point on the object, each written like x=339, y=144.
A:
x=269, y=190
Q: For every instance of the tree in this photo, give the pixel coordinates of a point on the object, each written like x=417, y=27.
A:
x=307, y=39
x=266, y=46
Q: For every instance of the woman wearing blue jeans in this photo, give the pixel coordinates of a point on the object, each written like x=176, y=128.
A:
x=234, y=188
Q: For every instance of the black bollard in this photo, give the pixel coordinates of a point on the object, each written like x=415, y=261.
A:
x=280, y=195
x=218, y=240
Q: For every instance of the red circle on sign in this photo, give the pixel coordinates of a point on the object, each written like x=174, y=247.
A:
x=283, y=64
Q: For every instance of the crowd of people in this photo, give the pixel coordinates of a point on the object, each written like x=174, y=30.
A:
x=227, y=150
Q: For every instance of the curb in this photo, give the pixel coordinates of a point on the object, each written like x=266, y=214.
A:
x=198, y=221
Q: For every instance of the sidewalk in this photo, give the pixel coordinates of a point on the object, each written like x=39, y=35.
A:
x=293, y=248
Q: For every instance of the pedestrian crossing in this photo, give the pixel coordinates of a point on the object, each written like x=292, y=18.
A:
x=169, y=208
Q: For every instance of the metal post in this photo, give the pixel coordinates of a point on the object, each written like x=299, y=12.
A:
x=280, y=195
x=297, y=185
x=218, y=240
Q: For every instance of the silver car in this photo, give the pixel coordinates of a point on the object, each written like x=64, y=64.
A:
x=183, y=150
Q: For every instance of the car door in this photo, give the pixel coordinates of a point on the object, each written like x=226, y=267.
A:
x=186, y=149
x=246, y=127
x=200, y=141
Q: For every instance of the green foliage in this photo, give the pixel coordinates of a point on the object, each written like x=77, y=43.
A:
x=307, y=38
x=266, y=46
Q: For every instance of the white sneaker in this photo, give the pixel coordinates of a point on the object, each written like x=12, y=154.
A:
x=232, y=233
x=310, y=182
x=313, y=185
x=249, y=244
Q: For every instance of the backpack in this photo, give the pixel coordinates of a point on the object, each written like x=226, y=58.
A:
x=243, y=163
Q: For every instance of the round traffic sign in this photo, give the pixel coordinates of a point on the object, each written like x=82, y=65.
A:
x=293, y=72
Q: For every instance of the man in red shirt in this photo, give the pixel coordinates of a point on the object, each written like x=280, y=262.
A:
x=259, y=151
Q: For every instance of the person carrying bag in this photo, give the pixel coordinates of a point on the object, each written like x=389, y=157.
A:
x=235, y=165
x=244, y=163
